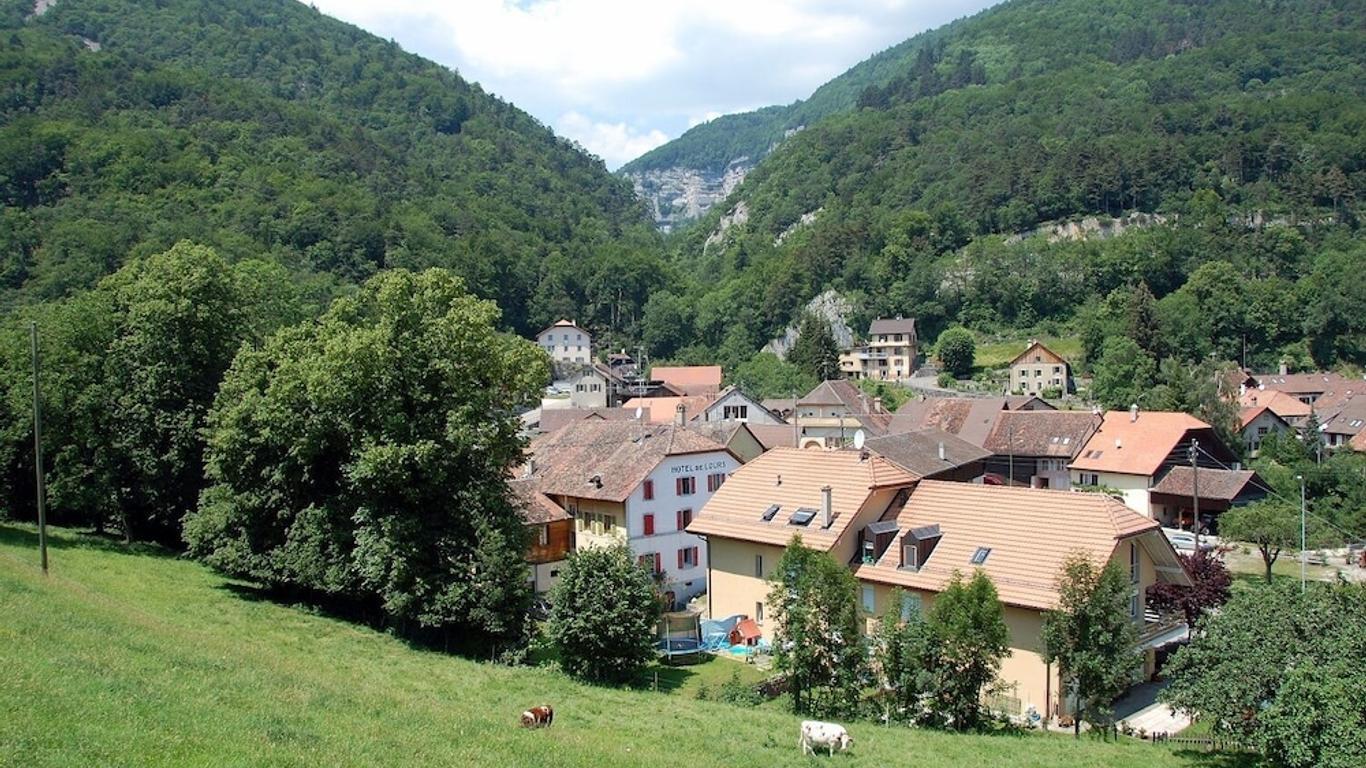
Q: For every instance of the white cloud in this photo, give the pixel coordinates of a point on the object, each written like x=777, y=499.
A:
x=632, y=70
x=697, y=120
x=615, y=143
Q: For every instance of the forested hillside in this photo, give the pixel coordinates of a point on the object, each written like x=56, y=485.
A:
x=264, y=129
x=1239, y=123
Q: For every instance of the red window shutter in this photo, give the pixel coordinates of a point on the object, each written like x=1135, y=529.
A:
x=649, y=489
x=659, y=565
x=678, y=486
x=649, y=525
x=709, y=482
x=696, y=559
x=680, y=559
x=678, y=518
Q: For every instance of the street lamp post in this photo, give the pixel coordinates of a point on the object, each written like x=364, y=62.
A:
x=1304, y=556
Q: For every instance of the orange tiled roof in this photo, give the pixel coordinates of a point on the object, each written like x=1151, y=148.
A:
x=536, y=507
x=1049, y=355
x=792, y=478
x=689, y=379
x=1030, y=533
x=1284, y=405
x=661, y=410
x=1137, y=447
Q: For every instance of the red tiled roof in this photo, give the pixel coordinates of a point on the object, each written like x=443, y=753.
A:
x=1305, y=383
x=536, y=507
x=1059, y=434
x=1048, y=354
x=772, y=436
x=607, y=460
x=1286, y=406
x=661, y=410
x=554, y=418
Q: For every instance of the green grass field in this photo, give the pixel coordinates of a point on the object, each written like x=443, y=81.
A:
x=137, y=657
x=998, y=354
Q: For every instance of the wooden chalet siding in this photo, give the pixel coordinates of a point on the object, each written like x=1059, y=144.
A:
x=560, y=542
x=1180, y=455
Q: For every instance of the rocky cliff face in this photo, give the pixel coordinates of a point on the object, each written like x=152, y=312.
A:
x=679, y=195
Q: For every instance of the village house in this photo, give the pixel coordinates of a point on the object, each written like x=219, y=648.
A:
x=1034, y=448
x=1257, y=422
x=1039, y=369
x=737, y=436
x=1010, y=533
x=896, y=528
x=552, y=534
x=1133, y=451
x=829, y=415
x=599, y=386
x=1289, y=408
x=1173, y=498
x=888, y=355
x=932, y=454
x=971, y=418
x=732, y=404
x=690, y=380
x=666, y=410
x=1307, y=387
x=566, y=342
x=1345, y=423
x=633, y=483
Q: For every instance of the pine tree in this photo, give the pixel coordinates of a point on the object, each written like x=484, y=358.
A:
x=815, y=351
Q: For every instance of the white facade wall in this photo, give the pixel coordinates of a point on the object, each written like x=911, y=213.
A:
x=1134, y=488
x=667, y=539
x=1265, y=424
x=543, y=576
x=567, y=344
x=741, y=408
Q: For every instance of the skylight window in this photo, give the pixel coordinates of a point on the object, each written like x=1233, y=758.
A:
x=980, y=556
x=771, y=511
x=803, y=516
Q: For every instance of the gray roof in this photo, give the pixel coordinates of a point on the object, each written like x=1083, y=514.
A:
x=918, y=452
x=894, y=325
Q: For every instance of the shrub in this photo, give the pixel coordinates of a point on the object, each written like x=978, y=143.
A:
x=603, y=615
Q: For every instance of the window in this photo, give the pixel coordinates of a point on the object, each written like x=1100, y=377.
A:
x=869, y=599
x=544, y=536
x=646, y=561
x=687, y=557
x=685, y=486
x=1133, y=562
x=1133, y=606
x=910, y=556
x=683, y=517
x=758, y=566
x=1261, y=431
x=910, y=603
x=649, y=525
x=980, y=556
x=1057, y=369
x=714, y=482
x=735, y=412
x=649, y=490
x=759, y=613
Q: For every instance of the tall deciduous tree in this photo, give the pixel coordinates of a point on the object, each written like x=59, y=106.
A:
x=971, y=638
x=1282, y=670
x=1091, y=637
x=364, y=455
x=905, y=656
x=1270, y=525
x=604, y=611
x=817, y=643
x=1123, y=373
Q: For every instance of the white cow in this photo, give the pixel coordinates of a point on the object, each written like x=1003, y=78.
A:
x=831, y=736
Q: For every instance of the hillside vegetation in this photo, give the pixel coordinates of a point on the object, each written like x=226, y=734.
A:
x=141, y=658
x=264, y=129
x=1237, y=122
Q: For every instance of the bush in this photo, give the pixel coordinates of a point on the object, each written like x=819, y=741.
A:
x=946, y=380
x=603, y=615
x=736, y=691
x=956, y=349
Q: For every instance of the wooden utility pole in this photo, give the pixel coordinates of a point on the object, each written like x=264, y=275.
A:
x=38, y=450
x=1195, y=490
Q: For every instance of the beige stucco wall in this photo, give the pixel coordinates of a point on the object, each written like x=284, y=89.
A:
x=584, y=535
x=1133, y=488
x=732, y=587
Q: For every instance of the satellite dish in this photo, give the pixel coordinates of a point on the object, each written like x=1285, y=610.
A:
x=859, y=437
x=639, y=411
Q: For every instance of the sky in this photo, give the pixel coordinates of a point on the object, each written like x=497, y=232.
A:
x=624, y=76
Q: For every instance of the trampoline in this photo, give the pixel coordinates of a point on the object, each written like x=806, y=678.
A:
x=680, y=635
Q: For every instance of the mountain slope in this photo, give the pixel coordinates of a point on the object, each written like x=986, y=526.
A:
x=1224, y=117
x=264, y=127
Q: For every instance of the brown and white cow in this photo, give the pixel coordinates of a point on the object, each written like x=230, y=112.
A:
x=538, y=717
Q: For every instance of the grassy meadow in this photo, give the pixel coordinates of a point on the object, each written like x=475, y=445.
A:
x=133, y=656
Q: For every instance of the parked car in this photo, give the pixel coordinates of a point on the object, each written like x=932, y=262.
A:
x=1185, y=541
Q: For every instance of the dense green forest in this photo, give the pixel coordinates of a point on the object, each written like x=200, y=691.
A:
x=266, y=130
x=1238, y=124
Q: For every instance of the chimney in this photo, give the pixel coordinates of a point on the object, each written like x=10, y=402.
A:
x=530, y=466
x=826, y=512
x=877, y=405
x=1283, y=368
x=1242, y=390
x=941, y=451
x=681, y=415
x=1133, y=412
x=1118, y=443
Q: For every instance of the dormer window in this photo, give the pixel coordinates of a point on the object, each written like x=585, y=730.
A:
x=917, y=546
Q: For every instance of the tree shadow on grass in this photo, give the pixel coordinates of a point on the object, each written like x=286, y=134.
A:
x=665, y=678
x=25, y=536
x=319, y=604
